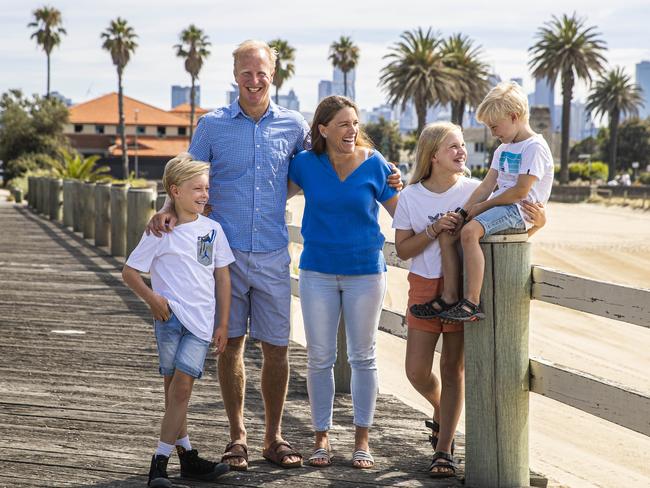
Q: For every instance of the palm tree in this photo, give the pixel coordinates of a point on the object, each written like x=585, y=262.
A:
x=194, y=48
x=47, y=21
x=344, y=55
x=614, y=95
x=284, y=67
x=417, y=72
x=569, y=49
x=119, y=40
x=460, y=54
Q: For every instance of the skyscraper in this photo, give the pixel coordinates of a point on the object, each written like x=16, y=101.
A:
x=643, y=80
x=338, y=86
x=181, y=94
x=544, y=96
x=324, y=89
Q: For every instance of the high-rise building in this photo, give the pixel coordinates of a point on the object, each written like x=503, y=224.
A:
x=544, y=96
x=289, y=101
x=338, y=84
x=181, y=95
x=643, y=80
x=232, y=94
x=324, y=89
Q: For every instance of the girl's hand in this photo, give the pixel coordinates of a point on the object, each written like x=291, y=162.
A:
x=447, y=222
x=220, y=339
x=535, y=213
x=159, y=307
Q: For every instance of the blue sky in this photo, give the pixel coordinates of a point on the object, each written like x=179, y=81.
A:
x=82, y=70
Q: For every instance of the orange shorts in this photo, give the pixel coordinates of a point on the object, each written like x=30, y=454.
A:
x=422, y=290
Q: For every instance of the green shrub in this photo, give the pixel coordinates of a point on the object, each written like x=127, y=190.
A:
x=480, y=172
x=582, y=171
x=644, y=178
x=30, y=162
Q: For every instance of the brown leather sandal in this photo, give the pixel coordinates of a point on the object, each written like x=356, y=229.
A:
x=236, y=449
x=279, y=450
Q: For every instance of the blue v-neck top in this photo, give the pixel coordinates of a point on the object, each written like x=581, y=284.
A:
x=340, y=227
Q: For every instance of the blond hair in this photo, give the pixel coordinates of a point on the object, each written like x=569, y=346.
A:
x=504, y=100
x=430, y=141
x=182, y=168
x=254, y=45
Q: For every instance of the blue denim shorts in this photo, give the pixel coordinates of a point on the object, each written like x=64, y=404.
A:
x=179, y=349
x=501, y=218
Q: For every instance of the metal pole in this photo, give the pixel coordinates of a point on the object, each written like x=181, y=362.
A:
x=136, y=143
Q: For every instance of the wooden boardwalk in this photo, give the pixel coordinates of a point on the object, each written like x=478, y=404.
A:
x=81, y=398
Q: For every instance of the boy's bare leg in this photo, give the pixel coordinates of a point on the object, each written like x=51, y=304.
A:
x=473, y=259
x=232, y=379
x=183, y=431
x=450, y=267
x=275, y=379
x=177, y=399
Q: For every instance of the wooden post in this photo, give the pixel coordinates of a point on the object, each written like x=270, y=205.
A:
x=103, y=214
x=45, y=189
x=36, y=186
x=88, y=199
x=29, y=191
x=140, y=204
x=342, y=370
x=68, y=203
x=160, y=200
x=76, y=205
x=56, y=199
x=118, y=219
x=496, y=369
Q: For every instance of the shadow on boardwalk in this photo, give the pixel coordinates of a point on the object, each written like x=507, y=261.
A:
x=81, y=399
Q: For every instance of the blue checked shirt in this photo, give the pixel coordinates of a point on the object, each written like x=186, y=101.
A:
x=249, y=163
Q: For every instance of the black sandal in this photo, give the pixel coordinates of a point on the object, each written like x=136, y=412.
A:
x=428, y=311
x=438, y=461
x=433, y=437
x=463, y=311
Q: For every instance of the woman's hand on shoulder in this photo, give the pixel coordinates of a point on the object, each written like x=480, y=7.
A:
x=395, y=178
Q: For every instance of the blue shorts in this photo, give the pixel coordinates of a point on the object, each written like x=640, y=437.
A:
x=261, y=296
x=179, y=349
x=501, y=218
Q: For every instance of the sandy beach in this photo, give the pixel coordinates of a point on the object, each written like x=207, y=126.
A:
x=570, y=447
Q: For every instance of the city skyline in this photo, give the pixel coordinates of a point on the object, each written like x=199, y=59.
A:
x=81, y=70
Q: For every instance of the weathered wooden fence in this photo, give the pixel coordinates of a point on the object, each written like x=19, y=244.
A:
x=499, y=372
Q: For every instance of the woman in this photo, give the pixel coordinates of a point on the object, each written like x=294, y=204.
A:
x=342, y=268
x=425, y=215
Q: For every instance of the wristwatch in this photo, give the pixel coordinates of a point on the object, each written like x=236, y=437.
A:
x=461, y=211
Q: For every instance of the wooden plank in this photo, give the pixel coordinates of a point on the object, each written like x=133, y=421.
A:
x=597, y=396
x=610, y=300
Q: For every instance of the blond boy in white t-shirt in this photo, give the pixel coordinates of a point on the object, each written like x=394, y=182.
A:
x=184, y=266
x=522, y=168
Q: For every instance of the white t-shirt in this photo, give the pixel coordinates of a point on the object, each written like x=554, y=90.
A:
x=419, y=207
x=182, y=264
x=528, y=157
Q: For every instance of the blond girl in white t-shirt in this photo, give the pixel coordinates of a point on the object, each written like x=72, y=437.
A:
x=425, y=213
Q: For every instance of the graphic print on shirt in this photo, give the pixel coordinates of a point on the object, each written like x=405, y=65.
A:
x=204, y=248
x=435, y=218
x=509, y=162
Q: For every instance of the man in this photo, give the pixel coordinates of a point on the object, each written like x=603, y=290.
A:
x=249, y=145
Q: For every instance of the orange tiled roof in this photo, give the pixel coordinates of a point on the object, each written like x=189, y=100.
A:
x=186, y=108
x=152, y=146
x=103, y=110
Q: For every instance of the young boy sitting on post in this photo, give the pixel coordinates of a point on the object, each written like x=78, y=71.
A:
x=184, y=265
x=522, y=168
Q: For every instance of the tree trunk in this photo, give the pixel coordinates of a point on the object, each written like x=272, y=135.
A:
x=345, y=83
x=120, y=101
x=457, y=112
x=461, y=112
x=192, y=109
x=48, y=76
x=567, y=95
x=421, y=111
x=613, y=140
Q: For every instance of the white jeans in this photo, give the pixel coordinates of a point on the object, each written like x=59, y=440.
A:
x=323, y=297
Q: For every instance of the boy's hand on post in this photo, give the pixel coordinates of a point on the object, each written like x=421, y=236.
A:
x=159, y=307
x=220, y=339
x=395, y=178
x=162, y=221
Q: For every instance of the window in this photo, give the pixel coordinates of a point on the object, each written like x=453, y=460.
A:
x=182, y=131
x=479, y=147
x=162, y=130
x=99, y=129
x=140, y=130
x=78, y=128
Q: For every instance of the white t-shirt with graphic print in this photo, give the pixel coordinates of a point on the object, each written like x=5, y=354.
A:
x=182, y=264
x=419, y=207
x=528, y=157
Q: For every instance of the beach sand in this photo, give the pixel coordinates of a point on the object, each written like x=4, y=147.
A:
x=571, y=447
